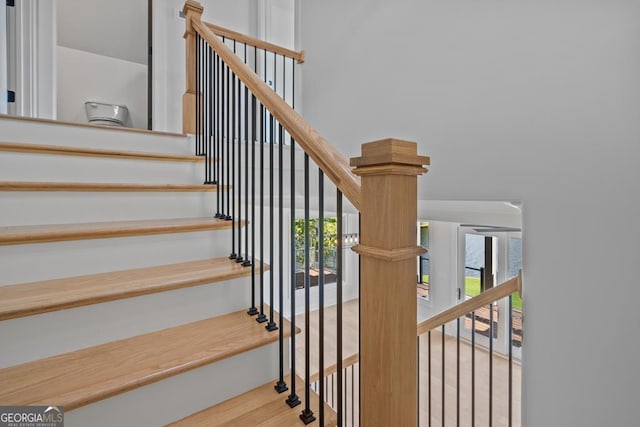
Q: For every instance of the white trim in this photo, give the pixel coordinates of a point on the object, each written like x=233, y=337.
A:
x=36, y=58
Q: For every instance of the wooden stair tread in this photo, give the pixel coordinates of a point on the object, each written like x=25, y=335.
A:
x=85, y=376
x=27, y=299
x=25, y=234
x=95, y=152
x=90, y=125
x=262, y=406
x=103, y=187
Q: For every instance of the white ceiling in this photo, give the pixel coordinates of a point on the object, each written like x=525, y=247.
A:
x=115, y=28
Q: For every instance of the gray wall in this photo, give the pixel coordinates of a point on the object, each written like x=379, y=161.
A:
x=532, y=101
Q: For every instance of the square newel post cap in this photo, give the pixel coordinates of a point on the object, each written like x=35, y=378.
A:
x=390, y=157
x=191, y=8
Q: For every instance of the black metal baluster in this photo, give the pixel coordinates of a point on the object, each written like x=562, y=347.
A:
x=473, y=368
x=321, y=282
x=293, y=399
x=224, y=127
x=232, y=154
x=208, y=164
x=339, y=266
x=205, y=107
x=418, y=382
x=429, y=376
x=214, y=154
x=458, y=372
x=271, y=325
x=491, y=364
x=307, y=414
x=239, y=140
x=211, y=116
x=510, y=338
x=253, y=310
x=219, y=130
x=443, y=376
x=281, y=387
x=247, y=261
x=261, y=317
x=228, y=145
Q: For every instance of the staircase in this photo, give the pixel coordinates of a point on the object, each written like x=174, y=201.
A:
x=117, y=297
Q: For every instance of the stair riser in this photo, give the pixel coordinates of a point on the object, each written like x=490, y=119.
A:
x=33, y=262
x=76, y=136
x=53, y=333
x=51, y=168
x=176, y=397
x=31, y=208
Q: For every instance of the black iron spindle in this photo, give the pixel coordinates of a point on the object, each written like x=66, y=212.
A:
x=293, y=400
x=219, y=130
x=209, y=119
x=281, y=387
x=239, y=140
x=307, y=414
x=458, y=372
x=443, y=374
x=429, y=376
x=339, y=266
x=228, y=145
x=271, y=325
x=418, y=382
x=321, y=281
x=491, y=364
x=253, y=310
x=232, y=155
x=247, y=261
x=473, y=368
x=261, y=317
x=214, y=119
x=510, y=338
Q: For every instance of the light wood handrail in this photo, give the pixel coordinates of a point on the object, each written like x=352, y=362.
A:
x=503, y=290
x=332, y=369
x=260, y=44
x=332, y=163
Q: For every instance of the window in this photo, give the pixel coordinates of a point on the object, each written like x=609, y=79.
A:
x=423, y=262
x=330, y=250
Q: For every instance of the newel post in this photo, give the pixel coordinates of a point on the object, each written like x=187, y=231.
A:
x=192, y=9
x=388, y=363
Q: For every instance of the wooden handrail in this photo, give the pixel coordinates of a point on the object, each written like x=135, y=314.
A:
x=503, y=290
x=332, y=163
x=260, y=44
x=332, y=369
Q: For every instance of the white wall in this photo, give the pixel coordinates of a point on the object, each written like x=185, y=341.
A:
x=84, y=76
x=115, y=28
x=169, y=56
x=531, y=101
